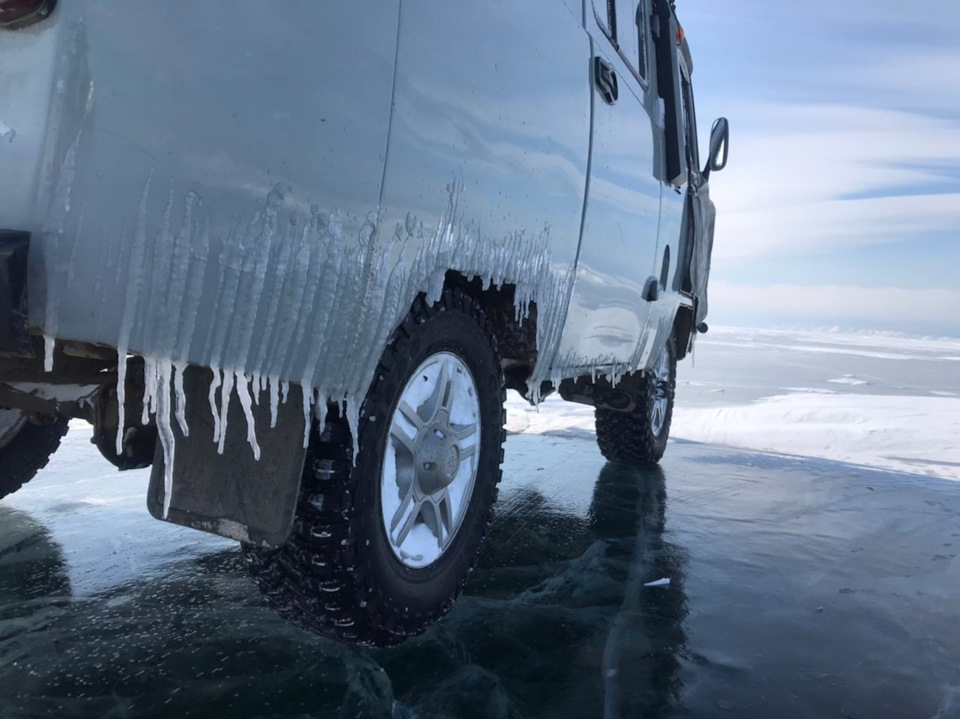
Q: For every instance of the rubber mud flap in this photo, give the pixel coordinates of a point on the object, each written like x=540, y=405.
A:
x=232, y=494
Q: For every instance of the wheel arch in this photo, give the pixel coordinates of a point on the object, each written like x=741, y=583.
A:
x=516, y=336
x=683, y=330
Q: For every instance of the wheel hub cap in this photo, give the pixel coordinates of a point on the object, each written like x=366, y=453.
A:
x=440, y=458
x=430, y=463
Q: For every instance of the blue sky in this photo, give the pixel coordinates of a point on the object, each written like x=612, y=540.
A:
x=841, y=202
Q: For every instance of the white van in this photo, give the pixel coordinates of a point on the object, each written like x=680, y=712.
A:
x=293, y=254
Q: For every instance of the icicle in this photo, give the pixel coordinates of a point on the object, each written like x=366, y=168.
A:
x=49, y=344
x=256, y=387
x=149, y=389
x=307, y=414
x=161, y=391
x=533, y=390
x=135, y=265
x=273, y=385
x=284, y=391
x=243, y=393
x=121, y=398
x=53, y=231
x=225, y=393
x=555, y=379
x=353, y=420
x=178, y=370
x=212, y=397
x=320, y=411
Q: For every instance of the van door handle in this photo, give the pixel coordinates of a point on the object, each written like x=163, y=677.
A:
x=606, y=80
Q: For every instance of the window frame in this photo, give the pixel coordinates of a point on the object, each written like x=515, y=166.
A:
x=692, y=140
x=641, y=25
x=643, y=28
x=608, y=23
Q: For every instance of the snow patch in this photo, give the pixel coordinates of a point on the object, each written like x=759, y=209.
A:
x=902, y=433
x=849, y=379
x=905, y=433
x=875, y=345
x=809, y=390
x=552, y=416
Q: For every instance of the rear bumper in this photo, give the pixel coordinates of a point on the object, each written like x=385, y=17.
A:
x=14, y=339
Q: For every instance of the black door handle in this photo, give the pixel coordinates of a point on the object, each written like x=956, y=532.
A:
x=606, y=80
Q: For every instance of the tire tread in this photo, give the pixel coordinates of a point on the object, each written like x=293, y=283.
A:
x=27, y=453
x=626, y=437
x=318, y=580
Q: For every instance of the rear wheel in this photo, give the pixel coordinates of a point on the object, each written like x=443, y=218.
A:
x=381, y=548
x=639, y=437
x=25, y=448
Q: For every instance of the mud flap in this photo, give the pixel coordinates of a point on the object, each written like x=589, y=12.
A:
x=232, y=494
x=705, y=214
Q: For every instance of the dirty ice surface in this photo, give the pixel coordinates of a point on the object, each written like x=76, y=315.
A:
x=881, y=401
x=788, y=586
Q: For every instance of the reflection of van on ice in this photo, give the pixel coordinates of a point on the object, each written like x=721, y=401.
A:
x=313, y=228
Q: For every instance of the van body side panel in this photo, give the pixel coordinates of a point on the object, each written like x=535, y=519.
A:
x=489, y=145
x=607, y=321
x=212, y=177
x=672, y=240
x=31, y=110
x=266, y=188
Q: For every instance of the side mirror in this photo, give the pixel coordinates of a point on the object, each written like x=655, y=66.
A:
x=719, y=144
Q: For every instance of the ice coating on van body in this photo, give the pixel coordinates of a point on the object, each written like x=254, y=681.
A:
x=310, y=304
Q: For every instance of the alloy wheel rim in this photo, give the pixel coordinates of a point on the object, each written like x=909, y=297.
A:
x=661, y=397
x=430, y=464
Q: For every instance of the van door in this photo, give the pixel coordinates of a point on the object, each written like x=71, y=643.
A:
x=489, y=148
x=608, y=315
x=699, y=211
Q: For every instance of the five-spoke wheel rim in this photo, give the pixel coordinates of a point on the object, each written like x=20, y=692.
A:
x=661, y=392
x=430, y=464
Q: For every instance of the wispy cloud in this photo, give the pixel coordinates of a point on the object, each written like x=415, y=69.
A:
x=822, y=178
x=844, y=161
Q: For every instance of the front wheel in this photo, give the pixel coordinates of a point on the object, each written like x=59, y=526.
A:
x=25, y=448
x=381, y=548
x=639, y=437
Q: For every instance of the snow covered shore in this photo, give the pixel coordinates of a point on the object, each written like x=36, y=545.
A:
x=883, y=420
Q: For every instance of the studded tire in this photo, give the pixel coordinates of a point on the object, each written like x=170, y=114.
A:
x=337, y=576
x=27, y=453
x=628, y=437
